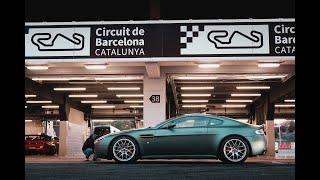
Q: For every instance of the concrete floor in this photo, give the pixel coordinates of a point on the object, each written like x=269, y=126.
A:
x=47, y=168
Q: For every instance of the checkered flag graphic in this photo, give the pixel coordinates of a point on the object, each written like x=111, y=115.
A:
x=188, y=32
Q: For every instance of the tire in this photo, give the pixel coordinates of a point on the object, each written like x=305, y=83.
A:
x=234, y=149
x=124, y=149
x=51, y=151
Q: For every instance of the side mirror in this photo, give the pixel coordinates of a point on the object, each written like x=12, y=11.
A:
x=171, y=126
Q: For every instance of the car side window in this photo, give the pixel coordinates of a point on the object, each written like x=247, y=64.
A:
x=192, y=121
x=214, y=122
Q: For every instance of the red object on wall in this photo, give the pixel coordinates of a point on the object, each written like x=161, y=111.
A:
x=285, y=145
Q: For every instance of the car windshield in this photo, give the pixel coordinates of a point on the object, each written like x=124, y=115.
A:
x=164, y=122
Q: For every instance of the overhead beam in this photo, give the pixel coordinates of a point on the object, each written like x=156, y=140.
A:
x=283, y=89
x=153, y=69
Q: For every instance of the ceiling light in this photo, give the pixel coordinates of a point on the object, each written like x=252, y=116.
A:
x=195, y=101
x=195, y=106
x=208, y=65
x=117, y=78
x=28, y=120
x=37, y=68
x=196, y=77
x=133, y=101
x=253, y=87
x=94, y=101
x=83, y=95
x=195, y=95
x=51, y=79
x=244, y=95
x=197, y=88
x=233, y=105
x=103, y=107
x=238, y=100
x=70, y=89
x=58, y=78
x=136, y=106
x=50, y=107
x=38, y=102
x=123, y=88
x=95, y=67
x=289, y=100
x=261, y=77
x=25, y=106
x=268, y=65
x=284, y=105
x=102, y=120
x=129, y=95
x=30, y=95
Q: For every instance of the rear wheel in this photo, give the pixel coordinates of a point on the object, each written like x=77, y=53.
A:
x=125, y=150
x=234, y=150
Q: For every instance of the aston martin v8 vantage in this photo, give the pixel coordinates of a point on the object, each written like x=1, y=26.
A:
x=189, y=136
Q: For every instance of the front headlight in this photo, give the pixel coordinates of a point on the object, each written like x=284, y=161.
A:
x=259, y=131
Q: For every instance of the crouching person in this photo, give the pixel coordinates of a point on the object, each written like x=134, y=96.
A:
x=88, y=147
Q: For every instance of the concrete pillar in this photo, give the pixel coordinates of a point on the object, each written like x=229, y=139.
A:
x=270, y=138
x=63, y=130
x=72, y=134
x=154, y=113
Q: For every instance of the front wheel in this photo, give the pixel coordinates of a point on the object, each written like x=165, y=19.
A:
x=234, y=150
x=125, y=150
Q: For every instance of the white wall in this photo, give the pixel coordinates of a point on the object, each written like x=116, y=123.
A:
x=72, y=134
x=34, y=127
x=154, y=113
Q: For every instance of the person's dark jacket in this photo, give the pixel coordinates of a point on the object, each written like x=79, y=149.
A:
x=89, y=143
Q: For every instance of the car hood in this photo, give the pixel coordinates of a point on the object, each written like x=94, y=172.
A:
x=127, y=131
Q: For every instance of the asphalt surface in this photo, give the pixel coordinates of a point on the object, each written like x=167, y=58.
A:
x=157, y=169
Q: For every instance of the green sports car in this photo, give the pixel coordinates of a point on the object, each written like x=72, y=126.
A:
x=189, y=136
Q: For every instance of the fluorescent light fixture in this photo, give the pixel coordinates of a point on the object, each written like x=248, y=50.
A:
x=30, y=95
x=94, y=101
x=102, y=106
x=38, y=102
x=238, y=100
x=102, y=120
x=58, y=78
x=95, y=66
x=70, y=89
x=50, y=107
x=244, y=95
x=253, y=87
x=51, y=79
x=136, y=106
x=197, y=88
x=133, y=101
x=129, y=95
x=289, y=100
x=117, y=78
x=123, y=88
x=83, y=95
x=195, y=95
x=284, y=105
x=268, y=65
x=233, y=105
x=28, y=120
x=37, y=68
x=194, y=106
x=265, y=77
x=195, y=101
x=208, y=65
x=196, y=77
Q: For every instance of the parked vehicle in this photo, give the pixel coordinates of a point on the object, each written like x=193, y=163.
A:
x=187, y=136
x=40, y=144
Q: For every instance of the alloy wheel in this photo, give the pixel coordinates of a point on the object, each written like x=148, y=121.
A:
x=235, y=150
x=124, y=150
